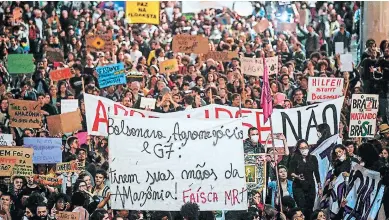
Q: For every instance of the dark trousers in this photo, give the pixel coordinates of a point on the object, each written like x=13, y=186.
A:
x=305, y=199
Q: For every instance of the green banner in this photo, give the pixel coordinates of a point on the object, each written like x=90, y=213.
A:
x=20, y=63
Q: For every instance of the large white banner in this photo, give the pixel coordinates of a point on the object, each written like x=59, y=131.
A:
x=363, y=115
x=322, y=89
x=160, y=164
x=295, y=124
x=364, y=194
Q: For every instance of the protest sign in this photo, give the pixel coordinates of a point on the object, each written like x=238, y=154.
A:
x=221, y=56
x=111, y=75
x=102, y=42
x=168, y=66
x=25, y=114
x=6, y=139
x=48, y=180
x=295, y=124
x=321, y=89
x=23, y=170
x=134, y=76
x=339, y=48
x=272, y=65
x=184, y=43
x=346, y=62
x=69, y=105
x=364, y=194
x=46, y=150
x=82, y=137
x=260, y=183
x=67, y=215
x=147, y=103
x=17, y=14
x=303, y=17
x=64, y=123
x=8, y=155
x=67, y=167
x=54, y=55
x=20, y=63
x=252, y=66
x=288, y=27
x=6, y=165
x=261, y=26
x=60, y=74
x=363, y=115
x=192, y=143
x=142, y=12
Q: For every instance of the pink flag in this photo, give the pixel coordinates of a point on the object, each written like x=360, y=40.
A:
x=266, y=99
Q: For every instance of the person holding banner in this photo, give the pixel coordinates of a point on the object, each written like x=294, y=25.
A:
x=303, y=168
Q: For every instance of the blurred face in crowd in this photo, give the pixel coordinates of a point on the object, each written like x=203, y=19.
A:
x=282, y=173
x=350, y=149
x=30, y=180
x=99, y=179
x=321, y=216
x=88, y=181
x=18, y=183
x=60, y=205
x=298, y=216
x=41, y=211
x=28, y=213
x=81, y=156
x=126, y=102
x=385, y=153
x=5, y=201
x=340, y=153
x=298, y=96
x=236, y=101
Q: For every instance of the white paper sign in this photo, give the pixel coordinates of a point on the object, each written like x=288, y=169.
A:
x=295, y=124
x=363, y=115
x=185, y=160
x=321, y=89
x=272, y=65
x=252, y=66
x=6, y=140
x=69, y=105
x=147, y=103
x=339, y=48
x=346, y=61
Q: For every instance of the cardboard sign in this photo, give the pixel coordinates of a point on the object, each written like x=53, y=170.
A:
x=193, y=153
x=220, y=56
x=147, y=103
x=6, y=165
x=64, y=123
x=303, y=20
x=20, y=63
x=23, y=170
x=252, y=66
x=290, y=27
x=6, y=139
x=69, y=105
x=363, y=115
x=54, y=55
x=46, y=150
x=8, y=155
x=185, y=43
x=272, y=65
x=261, y=26
x=17, y=14
x=68, y=167
x=321, y=89
x=168, y=66
x=101, y=42
x=111, y=75
x=48, y=180
x=25, y=114
x=143, y=12
x=60, y=74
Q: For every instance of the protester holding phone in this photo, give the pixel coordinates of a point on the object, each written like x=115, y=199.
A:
x=302, y=167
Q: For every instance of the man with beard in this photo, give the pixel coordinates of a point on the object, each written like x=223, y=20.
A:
x=127, y=102
x=18, y=183
x=41, y=212
x=31, y=186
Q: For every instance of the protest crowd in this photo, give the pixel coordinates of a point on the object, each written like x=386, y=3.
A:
x=311, y=116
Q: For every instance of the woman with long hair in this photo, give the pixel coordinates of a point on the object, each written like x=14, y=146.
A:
x=302, y=168
x=286, y=186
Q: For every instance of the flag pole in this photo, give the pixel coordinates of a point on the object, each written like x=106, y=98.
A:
x=276, y=163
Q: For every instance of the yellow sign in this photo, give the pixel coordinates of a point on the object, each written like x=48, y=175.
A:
x=142, y=12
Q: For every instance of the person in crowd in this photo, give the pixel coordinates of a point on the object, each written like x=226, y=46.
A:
x=302, y=169
x=252, y=144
